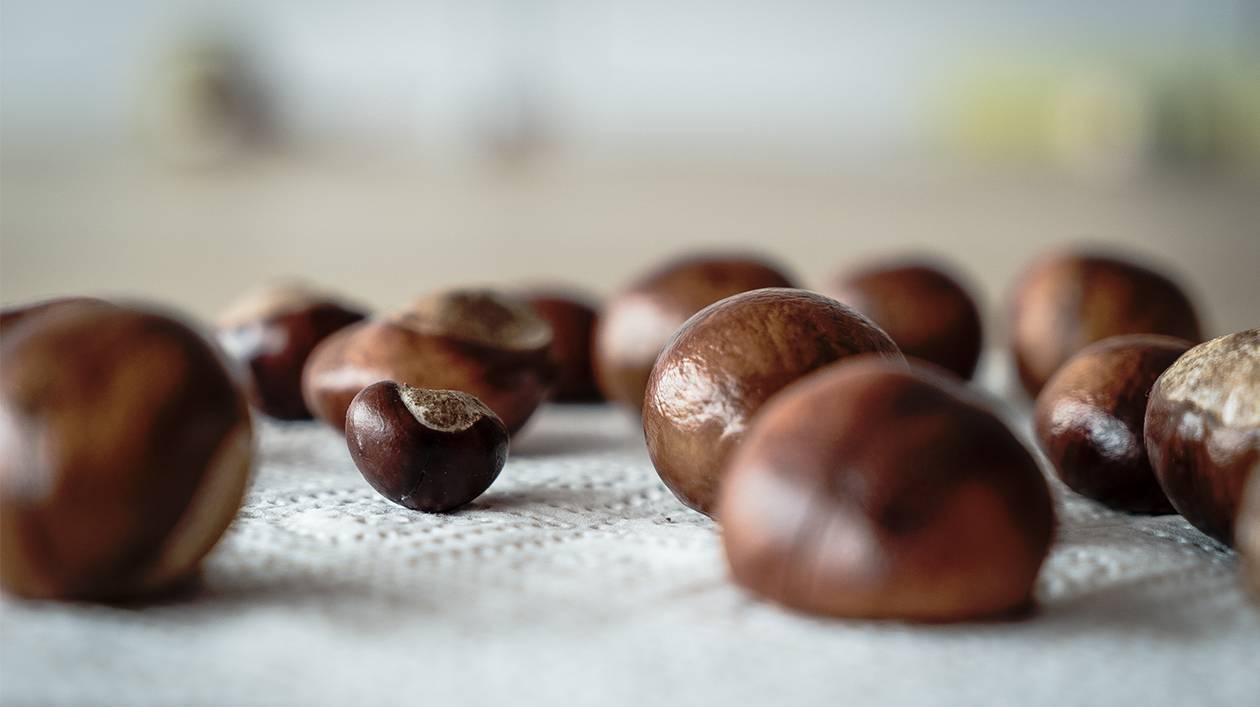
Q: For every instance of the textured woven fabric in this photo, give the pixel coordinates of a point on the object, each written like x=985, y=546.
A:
x=578, y=579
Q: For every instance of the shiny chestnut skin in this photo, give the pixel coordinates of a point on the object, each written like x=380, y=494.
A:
x=1090, y=416
x=872, y=490
x=270, y=334
x=725, y=362
x=636, y=323
x=486, y=344
x=1247, y=533
x=572, y=319
x=1067, y=301
x=125, y=449
x=427, y=450
x=1203, y=430
x=928, y=313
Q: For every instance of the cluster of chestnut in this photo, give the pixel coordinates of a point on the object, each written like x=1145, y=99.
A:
x=832, y=434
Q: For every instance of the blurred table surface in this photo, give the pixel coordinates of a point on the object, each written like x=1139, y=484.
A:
x=579, y=579
x=382, y=229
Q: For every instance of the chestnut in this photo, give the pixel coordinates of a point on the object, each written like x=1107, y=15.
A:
x=928, y=313
x=572, y=319
x=9, y=316
x=725, y=362
x=1089, y=420
x=270, y=334
x=1203, y=430
x=125, y=448
x=1247, y=533
x=636, y=323
x=427, y=450
x=486, y=344
x=1067, y=301
x=871, y=490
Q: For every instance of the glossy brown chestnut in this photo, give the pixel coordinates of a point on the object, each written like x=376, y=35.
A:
x=572, y=320
x=1247, y=533
x=926, y=311
x=1066, y=302
x=1203, y=430
x=124, y=453
x=635, y=324
x=1090, y=417
x=488, y=345
x=725, y=362
x=870, y=490
x=427, y=450
x=270, y=334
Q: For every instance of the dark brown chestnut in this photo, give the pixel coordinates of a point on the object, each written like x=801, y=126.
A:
x=1247, y=533
x=427, y=450
x=872, y=490
x=125, y=448
x=1067, y=301
x=1203, y=430
x=486, y=344
x=572, y=319
x=636, y=323
x=270, y=334
x=725, y=362
x=1090, y=416
x=926, y=310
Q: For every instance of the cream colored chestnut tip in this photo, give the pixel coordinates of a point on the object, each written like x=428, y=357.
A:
x=1219, y=375
x=443, y=410
x=481, y=316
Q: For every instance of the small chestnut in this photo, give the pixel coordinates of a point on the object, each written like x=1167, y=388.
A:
x=125, y=448
x=1203, y=430
x=427, y=450
x=488, y=345
x=872, y=490
x=926, y=311
x=1247, y=533
x=636, y=323
x=725, y=362
x=1067, y=301
x=270, y=334
x=1089, y=420
x=572, y=319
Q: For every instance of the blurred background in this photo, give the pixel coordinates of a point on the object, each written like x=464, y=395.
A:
x=189, y=151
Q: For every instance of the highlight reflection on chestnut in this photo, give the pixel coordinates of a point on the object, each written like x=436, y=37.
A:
x=1090, y=417
x=637, y=322
x=1067, y=301
x=428, y=450
x=725, y=362
x=872, y=490
x=1203, y=430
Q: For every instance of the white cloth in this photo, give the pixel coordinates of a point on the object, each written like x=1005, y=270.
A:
x=578, y=579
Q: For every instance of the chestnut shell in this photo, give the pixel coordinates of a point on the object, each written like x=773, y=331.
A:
x=636, y=323
x=1090, y=420
x=927, y=311
x=273, y=347
x=126, y=452
x=431, y=463
x=1203, y=430
x=1067, y=301
x=427, y=350
x=725, y=362
x=870, y=490
x=573, y=322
